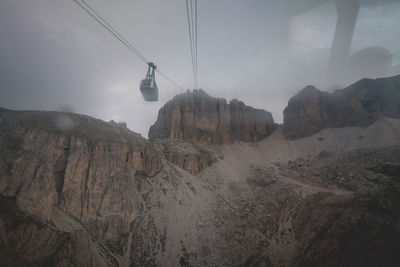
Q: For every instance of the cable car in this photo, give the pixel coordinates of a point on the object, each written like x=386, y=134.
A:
x=148, y=86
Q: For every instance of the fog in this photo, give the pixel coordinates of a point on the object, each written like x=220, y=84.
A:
x=53, y=56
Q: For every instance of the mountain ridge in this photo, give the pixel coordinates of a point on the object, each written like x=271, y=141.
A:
x=76, y=191
x=359, y=104
x=197, y=117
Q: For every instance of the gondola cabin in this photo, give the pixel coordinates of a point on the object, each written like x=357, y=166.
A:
x=148, y=86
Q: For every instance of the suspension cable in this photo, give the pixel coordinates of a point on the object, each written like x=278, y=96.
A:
x=196, y=30
x=103, y=22
x=170, y=80
x=192, y=13
x=190, y=35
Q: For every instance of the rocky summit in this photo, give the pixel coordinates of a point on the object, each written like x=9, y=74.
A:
x=217, y=184
x=199, y=118
x=357, y=105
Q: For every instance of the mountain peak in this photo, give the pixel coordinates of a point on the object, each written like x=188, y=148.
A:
x=200, y=118
x=360, y=104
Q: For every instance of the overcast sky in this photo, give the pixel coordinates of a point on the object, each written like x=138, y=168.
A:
x=53, y=56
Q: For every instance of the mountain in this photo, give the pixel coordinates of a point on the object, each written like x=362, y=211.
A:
x=203, y=191
x=199, y=118
x=360, y=104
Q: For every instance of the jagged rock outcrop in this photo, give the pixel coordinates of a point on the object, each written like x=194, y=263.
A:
x=28, y=241
x=199, y=118
x=360, y=104
x=191, y=157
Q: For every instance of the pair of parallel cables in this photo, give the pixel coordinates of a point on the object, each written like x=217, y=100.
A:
x=103, y=22
x=192, y=18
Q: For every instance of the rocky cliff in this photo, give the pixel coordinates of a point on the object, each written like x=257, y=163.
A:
x=199, y=118
x=77, y=191
x=74, y=165
x=360, y=104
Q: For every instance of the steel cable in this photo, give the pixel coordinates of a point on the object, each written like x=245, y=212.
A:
x=103, y=22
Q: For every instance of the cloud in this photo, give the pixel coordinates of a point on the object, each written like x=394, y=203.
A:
x=53, y=55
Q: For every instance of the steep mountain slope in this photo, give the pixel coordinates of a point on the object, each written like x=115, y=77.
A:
x=77, y=191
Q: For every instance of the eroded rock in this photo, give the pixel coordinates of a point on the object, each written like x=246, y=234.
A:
x=360, y=104
x=199, y=118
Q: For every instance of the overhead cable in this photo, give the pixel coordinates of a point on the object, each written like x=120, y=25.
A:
x=103, y=22
x=192, y=20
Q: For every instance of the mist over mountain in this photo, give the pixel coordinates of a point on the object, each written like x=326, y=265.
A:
x=54, y=56
x=217, y=184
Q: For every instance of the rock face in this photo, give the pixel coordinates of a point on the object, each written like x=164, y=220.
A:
x=199, y=118
x=360, y=104
x=190, y=157
x=81, y=166
x=77, y=191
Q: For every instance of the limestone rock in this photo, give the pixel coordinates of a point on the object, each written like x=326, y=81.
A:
x=76, y=191
x=360, y=104
x=87, y=169
x=199, y=118
x=26, y=241
x=191, y=157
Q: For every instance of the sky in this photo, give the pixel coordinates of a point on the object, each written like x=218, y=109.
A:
x=53, y=56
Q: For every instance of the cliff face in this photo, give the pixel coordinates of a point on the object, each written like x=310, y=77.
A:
x=190, y=157
x=360, y=104
x=77, y=191
x=83, y=167
x=198, y=118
